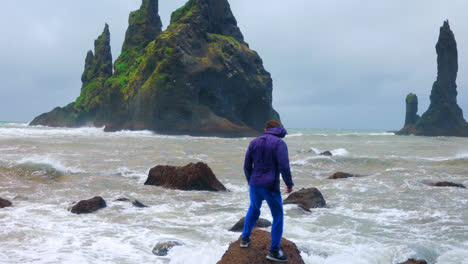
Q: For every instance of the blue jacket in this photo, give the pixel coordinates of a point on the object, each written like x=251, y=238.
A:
x=266, y=158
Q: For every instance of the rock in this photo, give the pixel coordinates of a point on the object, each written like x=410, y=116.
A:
x=306, y=199
x=448, y=184
x=194, y=176
x=444, y=117
x=135, y=202
x=411, y=110
x=239, y=226
x=162, y=249
x=414, y=261
x=342, y=175
x=4, y=203
x=89, y=206
x=326, y=153
x=198, y=77
x=258, y=249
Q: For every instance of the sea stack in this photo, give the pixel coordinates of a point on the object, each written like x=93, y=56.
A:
x=198, y=77
x=444, y=117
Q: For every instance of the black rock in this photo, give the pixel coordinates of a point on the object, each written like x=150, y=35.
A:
x=162, y=249
x=342, y=175
x=239, y=226
x=448, y=184
x=135, y=202
x=414, y=261
x=326, y=153
x=89, y=206
x=306, y=199
x=4, y=203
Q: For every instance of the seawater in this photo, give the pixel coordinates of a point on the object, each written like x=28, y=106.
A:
x=387, y=216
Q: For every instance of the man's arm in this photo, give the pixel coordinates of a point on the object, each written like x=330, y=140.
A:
x=248, y=163
x=283, y=164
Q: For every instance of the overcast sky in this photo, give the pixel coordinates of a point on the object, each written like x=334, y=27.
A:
x=334, y=63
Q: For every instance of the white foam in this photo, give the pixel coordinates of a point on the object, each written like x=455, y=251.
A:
x=340, y=152
x=295, y=135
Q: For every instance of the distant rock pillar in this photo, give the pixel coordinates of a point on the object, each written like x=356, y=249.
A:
x=411, y=109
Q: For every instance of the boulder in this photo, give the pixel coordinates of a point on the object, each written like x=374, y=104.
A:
x=342, y=175
x=194, y=176
x=135, y=202
x=306, y=199
x=89, y=206
x=326, y=153
x=4, y=203
x=444, y=117
x=162, y=248
x=414, y=261
x=239, y=226
x=257, y=251
x=448, y=184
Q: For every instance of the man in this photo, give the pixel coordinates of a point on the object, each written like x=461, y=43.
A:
x=266, y=158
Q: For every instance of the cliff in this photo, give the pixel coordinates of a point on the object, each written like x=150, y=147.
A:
x=444, y=117
x=198, y=77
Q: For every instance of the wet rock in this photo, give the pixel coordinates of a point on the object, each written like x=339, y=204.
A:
x=258, y=249
x=342, y=175
x=306, y=199
x=4, y=203
x=239, y=226
x=414, y=261
x=326, y=153
x=162, y=249
x=194, y=176
x=447, y=184
x=135, y=202
x=89, y=206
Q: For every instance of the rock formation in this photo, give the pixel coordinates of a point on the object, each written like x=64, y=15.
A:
x=198, y=77
x=239, y=226
x=306, y=199
x=258, y=249
x=194, y=176
x=89, y=206
x=4, y=203
x=411, y=110
x=326, y=153
x=444, y=117
x=343, y=175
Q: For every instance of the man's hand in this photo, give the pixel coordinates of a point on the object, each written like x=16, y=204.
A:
x=289, y=190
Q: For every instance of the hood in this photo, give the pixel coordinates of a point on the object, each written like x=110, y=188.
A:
x=277, y=131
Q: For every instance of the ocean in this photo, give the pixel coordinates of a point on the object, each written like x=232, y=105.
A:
x=387, y=216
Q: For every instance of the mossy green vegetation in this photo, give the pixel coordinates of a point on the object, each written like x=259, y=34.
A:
x=183, y=12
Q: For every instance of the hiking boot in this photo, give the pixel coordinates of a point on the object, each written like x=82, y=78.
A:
x=245, y=243
x=277, y=256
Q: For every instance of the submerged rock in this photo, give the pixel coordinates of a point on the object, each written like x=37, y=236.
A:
x=162, y=249
x=198, y=77
x=89, y=206
x=194, y=176
x=414, y=261
x=444, y=117
x=5, y=203
x=448, y=184
x=239, y=226
x=326, y=153
x=342, y=175
x=306, y=199
x=258, y=249
x=135, y=202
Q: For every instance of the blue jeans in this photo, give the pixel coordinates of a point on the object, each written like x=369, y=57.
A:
x=275, y=202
